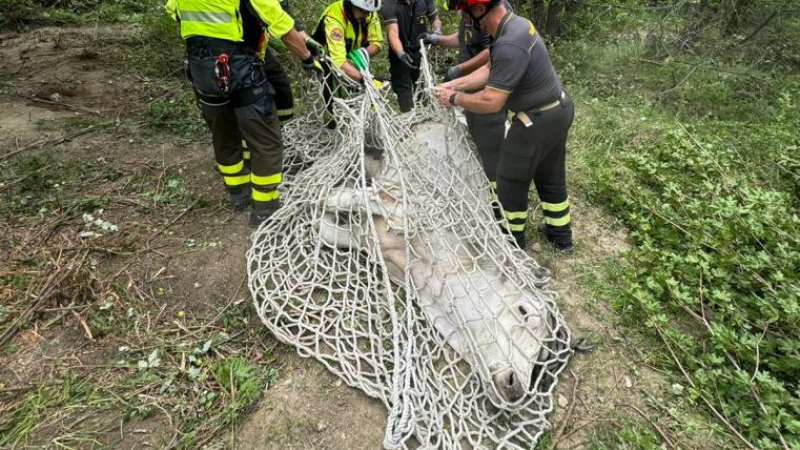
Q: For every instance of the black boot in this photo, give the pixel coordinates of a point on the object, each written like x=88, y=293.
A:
x=559, y=237
x=240, y=199
x=259, y=216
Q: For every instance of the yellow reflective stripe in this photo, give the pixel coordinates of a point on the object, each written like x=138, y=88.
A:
x=265, y=181
x=236, y=180
x=556, y=207
x=246, y=154
x=493, y=184
x=204, y=16
x=286, y=112
x=218, y=19
x=493, y=196
x=559, y=222
x=265, y=196
x=514, y=227
x=512, y=215
x=244, y=143
x=231, y=170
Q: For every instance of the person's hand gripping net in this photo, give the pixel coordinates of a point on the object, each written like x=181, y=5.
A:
x=311, y=65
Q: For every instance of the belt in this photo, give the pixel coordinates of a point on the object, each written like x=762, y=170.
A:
x=526, y=119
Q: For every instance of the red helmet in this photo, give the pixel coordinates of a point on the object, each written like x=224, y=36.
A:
x=460, y=5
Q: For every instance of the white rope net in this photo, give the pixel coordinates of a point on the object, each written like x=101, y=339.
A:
x=387, y=264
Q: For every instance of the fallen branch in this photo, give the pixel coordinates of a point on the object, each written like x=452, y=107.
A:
x=58, y=141
x=65, y=105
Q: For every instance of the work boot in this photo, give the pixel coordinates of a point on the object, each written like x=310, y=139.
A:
x=240, y=200
x=259, y=216
x=562, y=243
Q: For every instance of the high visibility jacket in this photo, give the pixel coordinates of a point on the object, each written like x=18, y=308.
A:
x=222, y=19
x=339, y=34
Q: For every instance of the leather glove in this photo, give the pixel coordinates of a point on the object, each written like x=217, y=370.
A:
x=430, y=38
x=452, y=73
x=407, y=60
x=313, y=46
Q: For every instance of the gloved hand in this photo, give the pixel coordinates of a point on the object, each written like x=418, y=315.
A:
x=359, y=58
x=407, y=60
x=313, y=46
x=312, y=66
x=430, y=38
x=452, y=73
x=364, y=55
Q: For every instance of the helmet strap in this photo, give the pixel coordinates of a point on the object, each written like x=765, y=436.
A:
x=477, y=19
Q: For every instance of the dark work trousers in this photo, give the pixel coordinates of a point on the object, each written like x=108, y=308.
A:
x=488, y=132
x=246, y=111
x=284, y=99
x=537, y=153
x=403, y=80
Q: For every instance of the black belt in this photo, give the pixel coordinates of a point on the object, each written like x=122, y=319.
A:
x=216, y=46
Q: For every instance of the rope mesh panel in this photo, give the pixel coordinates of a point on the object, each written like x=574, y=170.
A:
x=387, y=265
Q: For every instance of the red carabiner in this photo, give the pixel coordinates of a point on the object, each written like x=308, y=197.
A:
x=223, y=72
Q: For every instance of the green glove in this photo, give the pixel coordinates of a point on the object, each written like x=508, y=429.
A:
x=313, y=46
x=359, y=58
x=277, y=45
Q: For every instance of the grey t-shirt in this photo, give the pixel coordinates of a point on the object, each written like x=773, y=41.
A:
x=521, y=65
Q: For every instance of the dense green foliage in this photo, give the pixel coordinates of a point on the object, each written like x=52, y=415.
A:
x=18, y=14
x=698, y=157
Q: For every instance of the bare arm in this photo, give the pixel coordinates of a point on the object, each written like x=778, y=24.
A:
x=373, y=50
x=472, y=82
x=350, y=70
x=475, y=63
x=392, y=31
x=484, y=102
x=449, y=41
x=296, y=43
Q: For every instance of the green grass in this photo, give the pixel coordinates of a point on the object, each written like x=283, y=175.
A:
x=705, y=176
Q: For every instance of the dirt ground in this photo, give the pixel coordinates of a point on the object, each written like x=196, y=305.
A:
x=182, y=262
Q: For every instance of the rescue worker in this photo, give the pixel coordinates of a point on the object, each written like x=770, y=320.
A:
x=486, y=130
x=521, y=77
x=471, y=40
x=350, y=31
x=235, y=97
x=266, y=51
x=405, y=22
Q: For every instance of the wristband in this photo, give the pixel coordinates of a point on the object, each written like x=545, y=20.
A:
x=453, y=99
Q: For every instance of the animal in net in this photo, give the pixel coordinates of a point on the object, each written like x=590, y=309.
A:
x=387, y=265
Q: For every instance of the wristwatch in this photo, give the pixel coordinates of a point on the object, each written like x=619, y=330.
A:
x=453, y=99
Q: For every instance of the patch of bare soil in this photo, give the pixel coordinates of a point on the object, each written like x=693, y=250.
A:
x=310, y=408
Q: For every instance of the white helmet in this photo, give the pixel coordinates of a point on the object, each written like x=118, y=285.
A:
x=367, y=5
